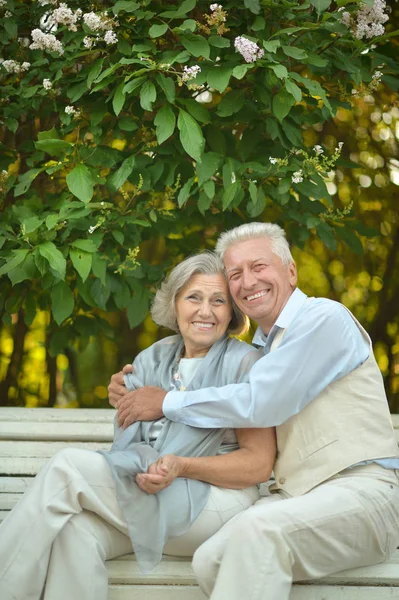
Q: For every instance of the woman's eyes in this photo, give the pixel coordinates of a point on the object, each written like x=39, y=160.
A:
x=198, y=299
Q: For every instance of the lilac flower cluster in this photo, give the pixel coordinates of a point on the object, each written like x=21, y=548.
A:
x=250, y=51
x=12, y=66
x=63, y=15
x=45, y=41
x=369, y=21
x=190, y=72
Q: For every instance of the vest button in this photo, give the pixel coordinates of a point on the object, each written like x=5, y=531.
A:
x=281, y=480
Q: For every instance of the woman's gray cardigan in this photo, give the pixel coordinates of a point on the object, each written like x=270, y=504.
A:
x=153, y=518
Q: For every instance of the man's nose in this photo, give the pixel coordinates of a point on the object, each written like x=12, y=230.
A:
x=248, y=279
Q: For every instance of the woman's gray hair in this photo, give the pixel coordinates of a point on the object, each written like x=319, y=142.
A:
x=250, y=231
x=163, y=309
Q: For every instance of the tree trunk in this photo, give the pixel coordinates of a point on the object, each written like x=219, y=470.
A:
x=14, y=366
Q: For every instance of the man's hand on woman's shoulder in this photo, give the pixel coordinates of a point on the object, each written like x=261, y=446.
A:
x=117, y=389
x=144, y=404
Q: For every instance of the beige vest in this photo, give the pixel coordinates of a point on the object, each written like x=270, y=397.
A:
x=348, y=422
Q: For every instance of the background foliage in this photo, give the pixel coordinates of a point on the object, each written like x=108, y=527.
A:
x=118, y=161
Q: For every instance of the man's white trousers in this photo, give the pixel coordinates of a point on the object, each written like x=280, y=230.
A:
x=349, y=521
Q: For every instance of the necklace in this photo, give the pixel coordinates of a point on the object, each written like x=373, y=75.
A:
x=177, y=383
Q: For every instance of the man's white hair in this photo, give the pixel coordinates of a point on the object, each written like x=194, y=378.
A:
x=250, y=231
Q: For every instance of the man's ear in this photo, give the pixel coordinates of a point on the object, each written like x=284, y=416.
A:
x=292, y=274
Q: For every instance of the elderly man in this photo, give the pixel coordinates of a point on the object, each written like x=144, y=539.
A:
x=335, y=501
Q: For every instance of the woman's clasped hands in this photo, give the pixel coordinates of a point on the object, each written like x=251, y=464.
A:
x=161, y=474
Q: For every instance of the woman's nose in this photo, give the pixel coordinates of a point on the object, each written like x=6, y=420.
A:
x=205, y=309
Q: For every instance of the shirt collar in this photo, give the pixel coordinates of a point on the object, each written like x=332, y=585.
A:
x=285, y=318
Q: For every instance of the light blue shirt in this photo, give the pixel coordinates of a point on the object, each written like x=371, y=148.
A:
x=321, y=345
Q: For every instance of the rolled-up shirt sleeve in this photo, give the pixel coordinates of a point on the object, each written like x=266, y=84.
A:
x=321, y=345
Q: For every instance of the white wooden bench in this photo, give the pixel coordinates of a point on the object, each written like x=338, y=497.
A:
x=29, y=437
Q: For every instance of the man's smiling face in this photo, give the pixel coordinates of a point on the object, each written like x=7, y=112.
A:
x=259, y=282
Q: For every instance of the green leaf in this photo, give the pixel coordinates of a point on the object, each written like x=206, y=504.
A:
x=122, y=296
x=54, y=257
x=118, y=236
x=196, y=110
x=50, y=134
x=100, y=294
x=75, y=92
x=99, y=267
x=195, y=44
x=231, y=103
x=191, y=135
x=258, y=24
x=314, y=88
x=119, y=99
x=165, y=122
x=320, y=5
x=280, y=71
x=127, y=124
x=118, y=179
x=125, y=5
x=209, y=189
x=157, y=30
x=316, y=60
x=326, y=234
x=208, y=166
x=271, y=45
x=62, y=302
x=252, y=5
x=219, y=78
x=81, y=182
x=94, y=72
x=25, y=270
x=350, y=238
x=134, y=84
x=294, y=52
x=54, y=147
x=168, y=87
x=184, y=193
x=185, y=7
x=293, y=89
x=81, y=261
x=137, y=308
x=12, y=124
x=85, y=245
x=32, y=223
x=51, y=221
x=17, y=259
x=204, y=201
x=240, y=71
x=229, y=194
x=148, y=95
x=219, y=42
x=258, y=201
x=282, y=104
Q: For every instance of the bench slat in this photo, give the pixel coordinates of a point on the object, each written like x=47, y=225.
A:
x=168, y=572
x=53, y=415
x=46, y=449
x=14, y=485
x=308, y=592
x=150, y=592
x=15, y=430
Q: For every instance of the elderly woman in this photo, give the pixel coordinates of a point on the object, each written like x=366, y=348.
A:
x=163, y=486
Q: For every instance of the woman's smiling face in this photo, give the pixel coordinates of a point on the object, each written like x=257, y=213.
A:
x=203, y=312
